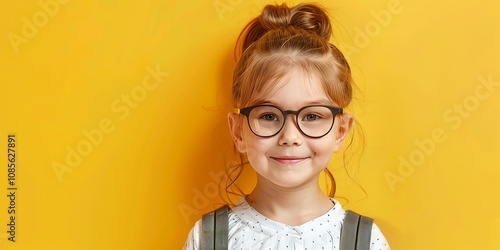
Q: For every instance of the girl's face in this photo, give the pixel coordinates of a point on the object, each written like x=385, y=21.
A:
x=291, y=159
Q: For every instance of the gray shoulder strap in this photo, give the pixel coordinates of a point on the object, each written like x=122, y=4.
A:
x=207, y=231
x=356, y=232
x=221, y=227
x=214, y=229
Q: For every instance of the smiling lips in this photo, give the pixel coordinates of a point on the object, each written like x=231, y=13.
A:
x=289, y=159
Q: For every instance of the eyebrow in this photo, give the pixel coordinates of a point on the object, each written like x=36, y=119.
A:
x=306, y=103
x=303, y=104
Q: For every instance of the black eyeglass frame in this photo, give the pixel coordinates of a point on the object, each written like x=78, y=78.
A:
x=246, y=112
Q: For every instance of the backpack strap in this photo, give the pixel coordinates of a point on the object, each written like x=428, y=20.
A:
x=356, y=232
x=214, y=229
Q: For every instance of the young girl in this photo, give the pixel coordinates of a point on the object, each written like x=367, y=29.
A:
x=290, y=87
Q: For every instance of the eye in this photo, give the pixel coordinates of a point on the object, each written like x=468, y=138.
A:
x=311, y=117
x=269, y=117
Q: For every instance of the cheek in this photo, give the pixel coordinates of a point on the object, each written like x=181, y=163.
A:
x=324, y=148
x=255, y=146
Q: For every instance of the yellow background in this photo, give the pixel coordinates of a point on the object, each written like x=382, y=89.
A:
x=421, y=66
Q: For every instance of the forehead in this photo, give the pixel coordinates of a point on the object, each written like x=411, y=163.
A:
x=296, y=88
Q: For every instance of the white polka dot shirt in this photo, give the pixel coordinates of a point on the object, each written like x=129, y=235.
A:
x=248, y=229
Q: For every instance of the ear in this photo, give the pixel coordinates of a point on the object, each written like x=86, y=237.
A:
x=235, y=128
x=345, y=122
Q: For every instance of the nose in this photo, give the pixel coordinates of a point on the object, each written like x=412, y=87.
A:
x=290, y=134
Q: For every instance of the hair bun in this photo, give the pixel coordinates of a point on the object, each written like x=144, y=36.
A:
x=304, y=16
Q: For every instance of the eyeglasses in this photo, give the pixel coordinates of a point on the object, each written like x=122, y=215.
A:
x=314, y=121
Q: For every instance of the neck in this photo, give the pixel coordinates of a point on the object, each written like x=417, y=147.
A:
x=292, y=206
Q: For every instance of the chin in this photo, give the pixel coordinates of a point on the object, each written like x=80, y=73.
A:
x=291, y=181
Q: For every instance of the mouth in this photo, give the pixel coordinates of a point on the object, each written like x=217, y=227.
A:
x=289, y=159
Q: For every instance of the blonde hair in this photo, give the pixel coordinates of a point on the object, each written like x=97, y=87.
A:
x=279, y=39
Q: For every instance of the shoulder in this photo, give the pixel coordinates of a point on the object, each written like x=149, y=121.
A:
x=378, y=240
x=193, y=239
